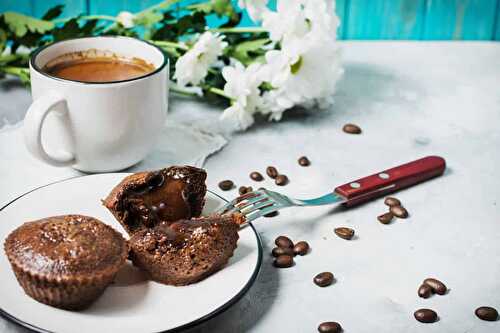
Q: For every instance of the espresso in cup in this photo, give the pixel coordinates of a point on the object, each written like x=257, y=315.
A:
x=97, y=66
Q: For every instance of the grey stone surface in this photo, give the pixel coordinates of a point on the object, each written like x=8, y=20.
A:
x=411, y=99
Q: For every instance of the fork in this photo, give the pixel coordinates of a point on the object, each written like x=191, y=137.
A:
x=253, y=205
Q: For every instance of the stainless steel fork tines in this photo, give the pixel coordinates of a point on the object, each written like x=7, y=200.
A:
x=255, y=204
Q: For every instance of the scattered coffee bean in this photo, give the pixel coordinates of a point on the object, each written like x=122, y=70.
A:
x=424, y=291
x=486, y=313
x=256, y=176
x=283, y=241
x=272, y=214
x=351, y=129
x=279, y=251
x=425, y=315
x=304, y=161
x=437, y=286
x=245, y=189
x=301, y=248
x=399, y=211
x=391, y=201
x=345, y=233
x=385, y=218
x=281, y=180
x=323, y=279
x=283, y=261
x=272, y=172
x=226, y=185
x=329, y=327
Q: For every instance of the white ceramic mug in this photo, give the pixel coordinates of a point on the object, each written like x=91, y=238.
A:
x=96, y=127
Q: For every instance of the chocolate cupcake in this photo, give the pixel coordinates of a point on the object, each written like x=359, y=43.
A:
x=65, y=261
x=144, y=199
x=186, y=251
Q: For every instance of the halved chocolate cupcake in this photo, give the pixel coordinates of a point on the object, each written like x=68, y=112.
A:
x=65, y=261
x=186, y=251
x=144, y=199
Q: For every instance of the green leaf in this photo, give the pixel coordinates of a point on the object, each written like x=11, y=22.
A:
x=70, y=29
x=222, y=7
x=53, y=12
x=148, y=18
x=3, y=40
x=246, y=52
x=20, y=24
x=188, y=24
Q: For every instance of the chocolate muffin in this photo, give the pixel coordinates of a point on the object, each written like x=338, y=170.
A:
x=65, y=261
x=185, y=251
x=144, y=199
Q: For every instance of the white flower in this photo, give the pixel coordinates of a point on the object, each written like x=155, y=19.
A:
x=304, y=75
x=126, y=19
x=306, y=68
x=255, y=8
x=242, y=86
x=296, y=20
x=192, y=67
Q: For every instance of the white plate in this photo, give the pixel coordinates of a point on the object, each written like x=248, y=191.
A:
x=131, y=304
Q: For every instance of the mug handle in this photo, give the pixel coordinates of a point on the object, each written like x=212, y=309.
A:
x=33, y=125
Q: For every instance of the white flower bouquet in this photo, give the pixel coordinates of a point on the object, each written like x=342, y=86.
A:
x=289, y=59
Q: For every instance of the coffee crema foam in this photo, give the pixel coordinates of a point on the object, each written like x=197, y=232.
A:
x=97, y=66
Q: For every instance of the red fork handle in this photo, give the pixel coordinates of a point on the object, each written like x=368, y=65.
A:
x=391, y=180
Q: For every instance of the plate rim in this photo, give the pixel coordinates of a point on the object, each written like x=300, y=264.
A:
x=221, y=309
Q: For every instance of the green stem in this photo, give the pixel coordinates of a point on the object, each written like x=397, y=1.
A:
x=170, y=44
x=87, y=17
x=239, y=30
x=183, y=92
x=10, y=57
x=161, y=5
x=218, y=91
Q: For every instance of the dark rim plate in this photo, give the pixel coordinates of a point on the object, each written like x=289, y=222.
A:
x=191, y=324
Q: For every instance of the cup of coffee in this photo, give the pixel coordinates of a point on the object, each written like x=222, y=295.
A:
x=99, y=103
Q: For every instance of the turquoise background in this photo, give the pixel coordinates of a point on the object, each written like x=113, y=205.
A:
x=361, y=19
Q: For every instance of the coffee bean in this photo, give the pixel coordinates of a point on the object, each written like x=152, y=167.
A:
x=283, y=241
x=283, y=261
x=256, y=176
x=281, y=180
x=425, y=315
x=329, y=327
x=391, y=201
x=245, y=189
x=351, y=129
x=301, y=248
x=424, y=291
x=304, y=161
x=323, y=279
x=272, y=172
x=437, y=286
x=486, y=313
x=272, y=214
x=385, y=218
x=226, y=185
x=345, y=233
x=399, y=211
x=279, y=251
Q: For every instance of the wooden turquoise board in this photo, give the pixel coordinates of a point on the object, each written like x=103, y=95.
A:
x=497, y=22
x=74, y=7
x=395, y=19
x=460, y=19
x=361, y=19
